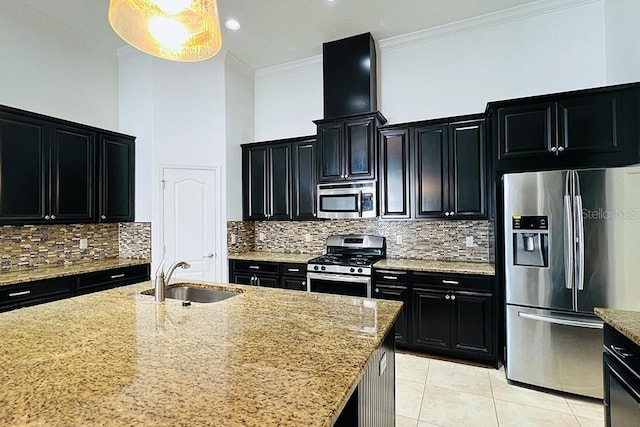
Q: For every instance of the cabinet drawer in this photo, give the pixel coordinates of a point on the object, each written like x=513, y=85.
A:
x=390, y=276
x=253, y=266
x=452, y=281
x=115, y=276
x=34, y=291
x=294, y=270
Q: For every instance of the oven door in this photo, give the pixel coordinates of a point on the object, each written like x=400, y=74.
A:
x=341, y=284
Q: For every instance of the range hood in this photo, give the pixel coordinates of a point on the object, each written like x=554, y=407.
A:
x=349, y=76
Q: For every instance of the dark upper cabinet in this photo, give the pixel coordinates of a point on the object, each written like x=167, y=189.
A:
x=73, y=174
x=117, y=175
x=24, y=166
x=279, y=180
x=436, y=169
x=394, y=174
x=592, y=128
x=303, y=180
x=346, y=147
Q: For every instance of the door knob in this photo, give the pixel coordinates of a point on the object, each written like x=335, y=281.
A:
x=453, y=297
x=446, y=214
x=447, y=296
x=560, y=148
x=103, y=217
x=451, y=213
x=53, y=217
x=47, y=217
x=209, y=255
x=553, y=149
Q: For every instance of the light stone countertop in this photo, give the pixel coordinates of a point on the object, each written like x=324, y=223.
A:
x=273, y=257
x=625, y=322
x=433, y=266
x=41, y=273
x=266, y=357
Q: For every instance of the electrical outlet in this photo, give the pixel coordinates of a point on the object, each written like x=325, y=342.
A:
x=399, y=239
x=234, y=239
x=261, y=237
x=307, y=237
x=469, y=241
x=83, y=243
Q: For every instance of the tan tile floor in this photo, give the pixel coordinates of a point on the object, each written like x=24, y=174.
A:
x=431, y=392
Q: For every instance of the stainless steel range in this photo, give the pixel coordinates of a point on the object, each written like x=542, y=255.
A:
x=347, y=266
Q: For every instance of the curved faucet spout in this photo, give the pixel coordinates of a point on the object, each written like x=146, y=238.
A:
x=162, y=279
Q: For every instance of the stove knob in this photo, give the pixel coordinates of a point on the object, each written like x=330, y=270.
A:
x=359, y=270
x=352, y=270
x=324, y=268
x=315, y=267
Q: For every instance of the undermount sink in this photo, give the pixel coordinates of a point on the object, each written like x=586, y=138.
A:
x=197, y=294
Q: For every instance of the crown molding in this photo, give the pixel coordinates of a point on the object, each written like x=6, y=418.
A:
x=483, y=21
x=291, y=67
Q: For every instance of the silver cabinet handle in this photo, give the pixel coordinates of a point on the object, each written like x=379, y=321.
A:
x=451, y=213
x=293, y=269
x=19, y=294
x=447, y=296
x=446, y=214
x=390, y=277
x=254, y=267
x=47, y=217
x=453, y=297
x=377, y=291
x=103, y=217
x=450, y=282
x=560, y=148
x=346, y=175
x=53, y=217
x=620, y=352
x=554, y=149
x=117, y=276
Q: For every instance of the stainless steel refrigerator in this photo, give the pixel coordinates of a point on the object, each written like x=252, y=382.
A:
x=572, y=243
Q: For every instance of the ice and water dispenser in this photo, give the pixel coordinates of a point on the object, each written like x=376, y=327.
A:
x=530, y=240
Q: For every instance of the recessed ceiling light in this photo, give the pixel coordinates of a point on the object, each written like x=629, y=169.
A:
x=232, y=24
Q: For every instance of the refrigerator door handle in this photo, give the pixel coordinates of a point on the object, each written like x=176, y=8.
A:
x=579, y=243
x=561, y=321
x=568, y=238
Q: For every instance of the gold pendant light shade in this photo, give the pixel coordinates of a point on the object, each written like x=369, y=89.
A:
x=180, y=30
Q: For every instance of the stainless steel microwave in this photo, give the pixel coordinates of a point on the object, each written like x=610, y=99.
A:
x=355, y=199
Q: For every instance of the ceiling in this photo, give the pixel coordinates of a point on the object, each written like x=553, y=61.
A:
x=278, y=31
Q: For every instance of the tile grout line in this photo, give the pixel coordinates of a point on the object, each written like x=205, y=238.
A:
x=493, y=399
x=424, y=390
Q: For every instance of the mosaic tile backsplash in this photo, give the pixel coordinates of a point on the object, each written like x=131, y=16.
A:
x=33, y=246
x=441, y=240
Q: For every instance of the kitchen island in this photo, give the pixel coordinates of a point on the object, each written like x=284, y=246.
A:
x=264, y=357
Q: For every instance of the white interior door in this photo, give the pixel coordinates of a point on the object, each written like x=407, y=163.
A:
x=190, y=221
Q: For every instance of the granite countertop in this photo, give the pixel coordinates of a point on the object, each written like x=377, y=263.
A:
x=273, y=257
x=626, y=322
x=263, y=358
x=21, y=276
x=433, y=266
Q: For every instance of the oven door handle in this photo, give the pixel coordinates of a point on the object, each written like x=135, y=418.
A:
x=338, y=278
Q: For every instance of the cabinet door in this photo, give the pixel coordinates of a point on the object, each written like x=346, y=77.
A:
x=295, y=283
x=304, y=181
x=243, y=278
x=268, y=281
x=255, y=182
x=330, y=152
x=23, y=170
x=279, y=207
x=526, y=130
x=116, y=179
x=72, y=174
x=431, y=318
x=431, y=180
x=394, y=174
x=467, y=170
x=360, y=155
x=396, y=293
x=471, y=322
x=622, y=395
x=590, y=123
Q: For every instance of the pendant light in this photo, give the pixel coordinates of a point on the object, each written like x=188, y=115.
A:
x=179, y=30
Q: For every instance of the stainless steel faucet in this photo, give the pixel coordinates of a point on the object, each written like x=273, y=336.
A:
x=162, y=279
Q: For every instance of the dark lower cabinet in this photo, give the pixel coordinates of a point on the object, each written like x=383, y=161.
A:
x=449, y=315
x=41, y=291
x=621, y=379
x=294, y=276
x=117, y=178
x=255, y=273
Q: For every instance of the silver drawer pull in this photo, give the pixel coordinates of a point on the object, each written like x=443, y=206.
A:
x=254, y=267
x=293, y=269
x=18, y=294
x=390, y=277
x=117, y=276
x=451, y=282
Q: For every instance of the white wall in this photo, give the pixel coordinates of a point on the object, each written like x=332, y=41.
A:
x=622, y=18
x=239, y=91
x=47, y=69
x=454, y=69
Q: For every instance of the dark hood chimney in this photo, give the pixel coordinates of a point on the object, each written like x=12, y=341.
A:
x=349, y=76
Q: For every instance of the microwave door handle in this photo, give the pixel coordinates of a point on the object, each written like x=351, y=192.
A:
x=360, y=204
